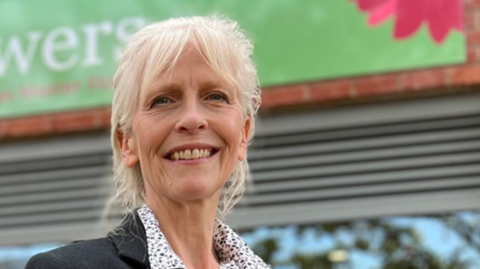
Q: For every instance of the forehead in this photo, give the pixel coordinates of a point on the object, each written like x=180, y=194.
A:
x=190, y=68
x=190, y=65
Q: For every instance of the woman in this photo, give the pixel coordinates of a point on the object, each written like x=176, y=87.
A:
x=185, y=97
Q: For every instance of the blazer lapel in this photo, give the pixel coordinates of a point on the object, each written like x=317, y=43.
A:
x=131, y=242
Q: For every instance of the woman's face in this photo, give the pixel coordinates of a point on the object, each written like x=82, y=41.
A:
x=188, y=132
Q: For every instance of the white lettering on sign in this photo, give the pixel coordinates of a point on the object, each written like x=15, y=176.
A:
x=126, y=28
x=91, y=42
x=60, y=39
x=65, y=42
x=15, y=50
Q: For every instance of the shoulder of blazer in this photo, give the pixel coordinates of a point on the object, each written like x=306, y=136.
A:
x=85, y=254
x=125, y=246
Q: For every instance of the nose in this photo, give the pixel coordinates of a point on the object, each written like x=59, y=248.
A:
x=192, y=120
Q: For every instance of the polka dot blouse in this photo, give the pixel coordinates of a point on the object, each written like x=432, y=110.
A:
x=232, y=251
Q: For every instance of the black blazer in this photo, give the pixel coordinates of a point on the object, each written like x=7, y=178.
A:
x=125, y=251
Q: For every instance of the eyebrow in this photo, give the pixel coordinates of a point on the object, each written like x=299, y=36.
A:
x=159, y=87
x=164, y=87
x=210, y=84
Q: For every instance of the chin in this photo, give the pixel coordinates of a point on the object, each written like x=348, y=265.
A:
x=196, y=189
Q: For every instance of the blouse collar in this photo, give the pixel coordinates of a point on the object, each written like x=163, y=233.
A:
x=231, y=249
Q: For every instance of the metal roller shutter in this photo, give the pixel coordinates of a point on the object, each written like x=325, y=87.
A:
x=404, y=157
x=53, y=190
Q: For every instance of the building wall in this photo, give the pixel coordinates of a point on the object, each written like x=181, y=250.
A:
x=371, y=88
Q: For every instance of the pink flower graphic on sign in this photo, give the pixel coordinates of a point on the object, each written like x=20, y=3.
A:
x=441, y=16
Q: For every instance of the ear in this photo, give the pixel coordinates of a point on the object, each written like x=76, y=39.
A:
x=242, y=151
x=128, y=147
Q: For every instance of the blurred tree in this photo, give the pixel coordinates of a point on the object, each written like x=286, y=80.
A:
x=266, y=249
x=395, y=246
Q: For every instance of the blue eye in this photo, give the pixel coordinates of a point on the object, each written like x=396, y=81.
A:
x=162, y=101
x=217, y=97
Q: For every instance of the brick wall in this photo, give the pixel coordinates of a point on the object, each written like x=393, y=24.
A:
x=434, y=81
x=55, y=124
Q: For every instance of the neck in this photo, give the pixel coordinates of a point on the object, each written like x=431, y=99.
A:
x=188, y=228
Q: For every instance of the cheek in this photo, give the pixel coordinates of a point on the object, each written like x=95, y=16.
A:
x=151, y=133
x=230, y=129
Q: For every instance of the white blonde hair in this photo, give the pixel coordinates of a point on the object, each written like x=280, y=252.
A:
x=157, y=48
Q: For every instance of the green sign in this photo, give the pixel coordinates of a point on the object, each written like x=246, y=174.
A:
x=61, y=55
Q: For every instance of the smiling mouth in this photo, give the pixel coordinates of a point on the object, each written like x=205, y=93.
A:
x=191, y=154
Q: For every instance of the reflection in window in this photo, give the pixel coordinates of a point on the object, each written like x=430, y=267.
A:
x=438, y=241
x=17, y=257
x=443, y=241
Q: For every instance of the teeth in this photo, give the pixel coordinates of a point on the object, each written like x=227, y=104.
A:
x=187, y=154
x=195, y=154
x=190, y=154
